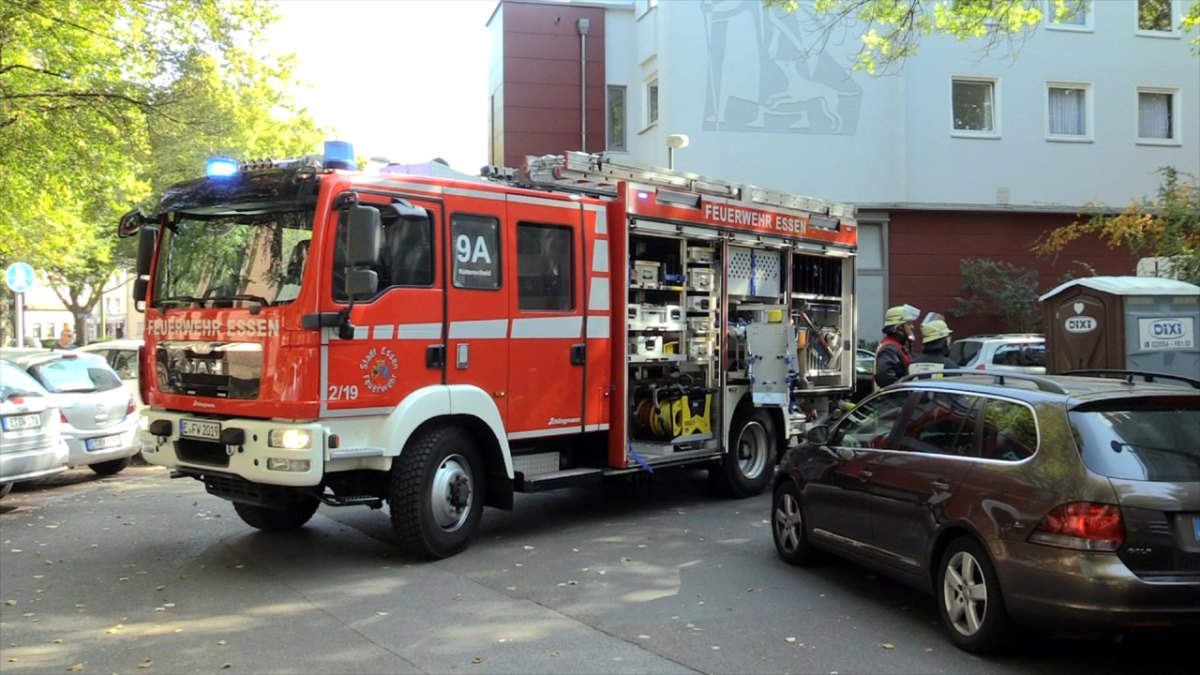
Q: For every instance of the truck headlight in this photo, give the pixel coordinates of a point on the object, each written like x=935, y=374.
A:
x=291, y=439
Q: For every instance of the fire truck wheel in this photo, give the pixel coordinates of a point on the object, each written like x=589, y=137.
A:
x=293, y=517
x=436, y=493
x=746, y=470
x=110, y=467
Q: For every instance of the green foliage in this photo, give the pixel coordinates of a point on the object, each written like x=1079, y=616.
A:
x=997, y=288
x=891, y=30
x=105, y=102
x=1167, y=225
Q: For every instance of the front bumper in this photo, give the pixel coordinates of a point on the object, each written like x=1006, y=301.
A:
x=1089, y=593
x=253, y=459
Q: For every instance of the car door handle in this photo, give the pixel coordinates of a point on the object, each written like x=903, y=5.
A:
x=940, y=485
x=865, y=476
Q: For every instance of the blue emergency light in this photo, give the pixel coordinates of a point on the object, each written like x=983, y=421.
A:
x=220, y=167
x=339, y=155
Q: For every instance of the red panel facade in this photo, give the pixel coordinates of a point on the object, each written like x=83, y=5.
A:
x=926, y=249
x=541, y=66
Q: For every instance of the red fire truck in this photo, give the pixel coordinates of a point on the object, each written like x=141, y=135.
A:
x=439, y=341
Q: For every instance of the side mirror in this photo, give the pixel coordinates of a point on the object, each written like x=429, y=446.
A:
x=145, y=250
x=361, y=283
x=818, y=435
x=130, y=223
x=364, y=230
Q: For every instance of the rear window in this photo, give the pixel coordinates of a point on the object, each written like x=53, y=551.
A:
x=14, y=382
x=76, y=375
x=1152, y=440
x=1022, y=355
x=963, y=351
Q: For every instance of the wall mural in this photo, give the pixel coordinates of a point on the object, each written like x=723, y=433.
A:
x=763, y=76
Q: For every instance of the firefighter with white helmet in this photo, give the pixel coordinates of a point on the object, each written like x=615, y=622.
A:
x=893, y=355
x=935, y=346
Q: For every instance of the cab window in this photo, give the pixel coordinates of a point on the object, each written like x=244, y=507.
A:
x=941, y=423
x=405, y=253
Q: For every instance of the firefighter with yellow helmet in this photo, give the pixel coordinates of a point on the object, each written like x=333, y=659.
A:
x=935, y=346
x=894, y=353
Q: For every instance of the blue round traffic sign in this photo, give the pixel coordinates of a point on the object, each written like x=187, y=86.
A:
x=19, y=277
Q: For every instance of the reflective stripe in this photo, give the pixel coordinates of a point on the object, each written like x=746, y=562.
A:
x=597, y=327
x=407, y=185
x=600, y=256
x=554, y=327
x=419, y=331
x=598, y=299
x=383, y=331
x=477, y=194
x=536, y=433
x=598, y=220
x=361, y=332
x=540, y=201
x=596, y=427
x=491, y=328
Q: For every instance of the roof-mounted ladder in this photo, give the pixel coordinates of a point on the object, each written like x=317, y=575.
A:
x=598, y=174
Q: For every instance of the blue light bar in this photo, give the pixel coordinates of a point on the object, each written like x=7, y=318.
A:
x=339, y=155
x=220, y=167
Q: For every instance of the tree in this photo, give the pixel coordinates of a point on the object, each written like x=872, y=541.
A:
x=891, y=30
x=996, y=288
x=104, y=102
x=1167, y=225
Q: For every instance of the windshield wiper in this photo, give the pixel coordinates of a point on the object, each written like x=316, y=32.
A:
x=178, y=300
x=244, y=297
x=1117, y=446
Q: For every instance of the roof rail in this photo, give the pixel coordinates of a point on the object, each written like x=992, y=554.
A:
x=1128, y=375
x=1043, y=383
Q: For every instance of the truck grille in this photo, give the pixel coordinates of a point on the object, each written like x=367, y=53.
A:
x=201, y=452
x=217, y=369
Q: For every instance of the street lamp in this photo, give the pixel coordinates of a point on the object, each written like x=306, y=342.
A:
x=675, y=141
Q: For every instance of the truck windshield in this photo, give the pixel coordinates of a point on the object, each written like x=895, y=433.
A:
x=232, y=260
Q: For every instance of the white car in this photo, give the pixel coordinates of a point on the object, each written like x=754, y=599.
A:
x=122, y=356
x=99, y=415
x=1020, y=352
x=31, y=442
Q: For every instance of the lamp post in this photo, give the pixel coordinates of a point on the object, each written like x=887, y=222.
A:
x=675, y=141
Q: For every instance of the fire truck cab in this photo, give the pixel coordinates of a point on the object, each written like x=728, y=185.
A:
x=438, y=341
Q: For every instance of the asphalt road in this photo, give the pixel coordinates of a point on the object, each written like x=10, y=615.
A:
x=140, y=573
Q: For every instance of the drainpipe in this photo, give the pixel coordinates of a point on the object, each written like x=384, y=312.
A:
x=583, y=24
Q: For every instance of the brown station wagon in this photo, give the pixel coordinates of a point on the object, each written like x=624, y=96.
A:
x=1064, y=503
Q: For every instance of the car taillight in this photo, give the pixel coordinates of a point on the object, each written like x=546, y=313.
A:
x=131, y=408
x=1086, y=526
x=981, y=366
x=62, y=418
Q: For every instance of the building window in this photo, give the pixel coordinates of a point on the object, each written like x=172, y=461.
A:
x=545, y=271
x=1068, y=107
x=973, y=105
x=1157, y=115
x=1075, y=15
x=652, y=101
x=616, y=118
x=1154, y=16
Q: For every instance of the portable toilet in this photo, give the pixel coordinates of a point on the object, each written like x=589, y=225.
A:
x=1143, y=324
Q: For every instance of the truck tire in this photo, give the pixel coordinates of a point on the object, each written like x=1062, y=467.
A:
x=436, y=492
x=293, y=517
x=747, y=468
x=112, y=466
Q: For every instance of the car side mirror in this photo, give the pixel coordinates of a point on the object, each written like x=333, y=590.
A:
x=361, y=283
x=818, y=435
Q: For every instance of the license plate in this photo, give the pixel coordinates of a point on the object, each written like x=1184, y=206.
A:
x=209, y=431
x=14, y=422
x=103, y=443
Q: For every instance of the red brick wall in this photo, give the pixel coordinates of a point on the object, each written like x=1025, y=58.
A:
x=541, y=80
x=926, y=249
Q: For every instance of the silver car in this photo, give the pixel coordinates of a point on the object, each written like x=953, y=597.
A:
x=98, y=413
x=31, y=443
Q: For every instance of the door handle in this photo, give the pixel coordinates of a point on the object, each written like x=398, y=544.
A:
x=940, y=485
x=435, y=356
x=579, y=354
x=865, y=476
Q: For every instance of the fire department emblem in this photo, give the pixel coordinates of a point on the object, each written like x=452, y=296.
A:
x=379, y=368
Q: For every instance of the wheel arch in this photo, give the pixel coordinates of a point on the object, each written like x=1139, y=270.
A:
x=942, y=541
x=745, y=406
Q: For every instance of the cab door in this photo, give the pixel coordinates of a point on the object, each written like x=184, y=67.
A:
x=477, y=298
x=547, y=353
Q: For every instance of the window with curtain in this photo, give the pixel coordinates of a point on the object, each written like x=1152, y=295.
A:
x=973, y=103
x=1068, y=111
x=1156, y=115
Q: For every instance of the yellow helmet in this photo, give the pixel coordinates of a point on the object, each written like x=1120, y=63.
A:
x=900, y=314
x=934, y=330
